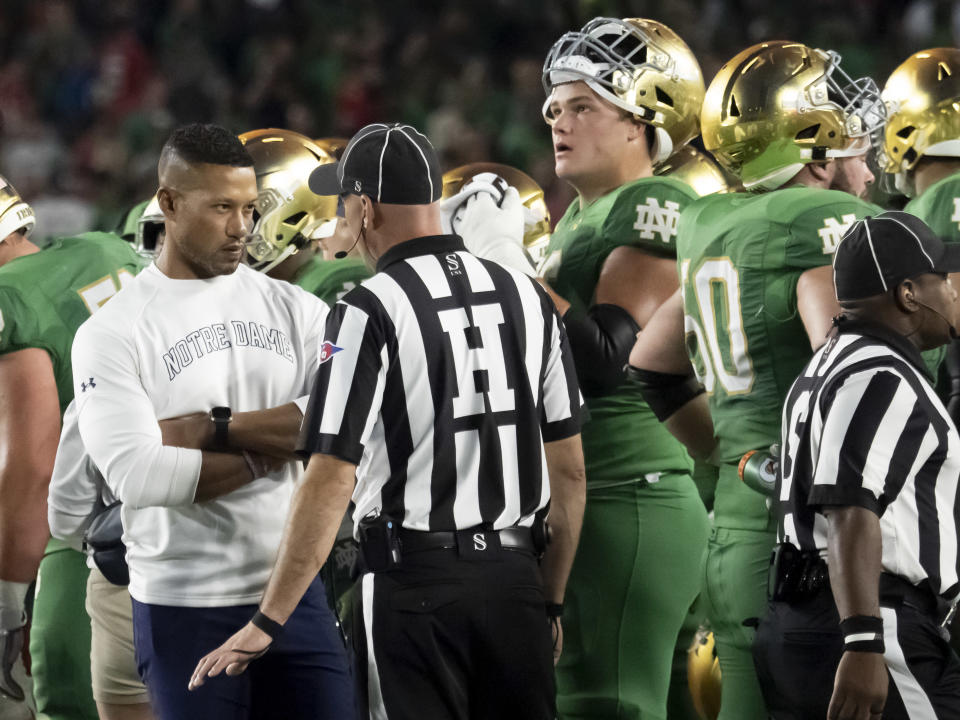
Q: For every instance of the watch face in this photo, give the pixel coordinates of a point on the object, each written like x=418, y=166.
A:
x=221, y=414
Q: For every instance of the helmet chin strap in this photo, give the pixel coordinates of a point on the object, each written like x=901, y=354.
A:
x=284, y=254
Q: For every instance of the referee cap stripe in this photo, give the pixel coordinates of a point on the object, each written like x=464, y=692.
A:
x=422, y=156
x=876, y=262
x=386, y=140
x=913, y=234
x=341, y=166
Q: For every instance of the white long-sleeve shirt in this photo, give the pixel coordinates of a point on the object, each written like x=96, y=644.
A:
x=162, y=348
x=77, y=490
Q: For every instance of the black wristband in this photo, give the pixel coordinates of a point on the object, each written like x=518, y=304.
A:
x=554, y=610
x=862, y=633
x=270, y=627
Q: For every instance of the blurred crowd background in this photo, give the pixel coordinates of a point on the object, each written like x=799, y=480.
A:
x=89, y=89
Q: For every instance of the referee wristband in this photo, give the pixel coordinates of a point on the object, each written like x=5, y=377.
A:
x=554, y=610
x=270, y=627
x=862, y=633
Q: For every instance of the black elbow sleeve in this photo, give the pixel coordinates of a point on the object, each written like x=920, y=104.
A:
x=601, y=340
x=665, y=393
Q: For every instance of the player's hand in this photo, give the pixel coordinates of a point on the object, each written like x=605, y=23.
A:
x=243, y=647
x=495, y=232
x=194, y=431
x=859, y=688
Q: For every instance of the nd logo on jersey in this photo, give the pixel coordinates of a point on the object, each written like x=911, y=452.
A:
x=653, y=219
x=833, y=231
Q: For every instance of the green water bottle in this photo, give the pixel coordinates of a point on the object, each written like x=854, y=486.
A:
x=758, y=470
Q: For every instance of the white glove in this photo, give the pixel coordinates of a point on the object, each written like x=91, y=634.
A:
x=495, y=233
x=451, y=209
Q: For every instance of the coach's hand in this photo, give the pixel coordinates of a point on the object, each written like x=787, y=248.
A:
x=556, y=634
x=246, y=645
x=860, y=687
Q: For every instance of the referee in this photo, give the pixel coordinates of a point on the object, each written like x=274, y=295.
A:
x=446, y=388
x=865, y=577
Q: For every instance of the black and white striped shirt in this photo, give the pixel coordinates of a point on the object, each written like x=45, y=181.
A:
x=862, y=426
x=441, y=377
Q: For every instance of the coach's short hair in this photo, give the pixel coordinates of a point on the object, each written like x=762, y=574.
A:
x=207, y=143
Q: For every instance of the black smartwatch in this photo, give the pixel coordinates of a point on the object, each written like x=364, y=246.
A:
x=221, y=417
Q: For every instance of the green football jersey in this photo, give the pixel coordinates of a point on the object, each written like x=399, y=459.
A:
x=623, y=440
x=740, y=257
x=939, y=207
x=46, y=296
x=330, y=280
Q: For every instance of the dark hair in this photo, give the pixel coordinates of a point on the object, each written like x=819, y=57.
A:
x=206, y=143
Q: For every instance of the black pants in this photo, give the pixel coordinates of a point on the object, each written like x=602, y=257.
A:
x=449, y=637
x=798, y=647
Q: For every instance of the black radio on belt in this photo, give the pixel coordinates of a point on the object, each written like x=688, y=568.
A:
x=379, y=543
x=796, y=574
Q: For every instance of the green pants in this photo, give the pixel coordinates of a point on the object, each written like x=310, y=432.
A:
x=60, y=637
x=735, y=589
x=637, y=571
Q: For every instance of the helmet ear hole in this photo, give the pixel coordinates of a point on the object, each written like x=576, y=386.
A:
x=905, y=132
x=663, y=97
x=295, y=218
x=734, y=110
x=808, y=133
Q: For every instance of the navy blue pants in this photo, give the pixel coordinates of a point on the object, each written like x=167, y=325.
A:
x=305, y=674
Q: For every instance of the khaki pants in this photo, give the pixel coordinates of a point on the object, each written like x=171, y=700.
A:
x=113, y=667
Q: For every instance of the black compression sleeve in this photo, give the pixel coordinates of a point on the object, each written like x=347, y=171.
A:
x=601, y=340
x=665, y=393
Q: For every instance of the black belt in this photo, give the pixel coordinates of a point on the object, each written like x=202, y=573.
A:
x=512, y=538
x=920, y=598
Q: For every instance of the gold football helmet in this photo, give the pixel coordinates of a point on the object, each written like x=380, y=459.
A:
x=149, y=227
x=536, y=217
x=640, y=66
x=923, y=112
x=703, y=675
x=696, y=169
x=287, y=210
x=778, y=105
x=15, y=214
x=333, y=146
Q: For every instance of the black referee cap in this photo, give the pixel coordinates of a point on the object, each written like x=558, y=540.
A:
x=392, y=163
x=880, y=252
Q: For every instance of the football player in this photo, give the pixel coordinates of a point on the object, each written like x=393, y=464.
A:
x=756, y=298
x=622, y=96
x=44, y=297
x=690, y=692
x=921, y=152
x=290, y=217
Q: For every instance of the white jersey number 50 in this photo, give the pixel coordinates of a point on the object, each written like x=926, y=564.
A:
x=721, y=338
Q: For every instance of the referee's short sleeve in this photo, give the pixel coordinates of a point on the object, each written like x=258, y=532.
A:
x=348, y=388
x=866, y=448
x=563, y=409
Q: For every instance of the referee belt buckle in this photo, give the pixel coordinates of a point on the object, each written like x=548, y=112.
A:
x=473, y=542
